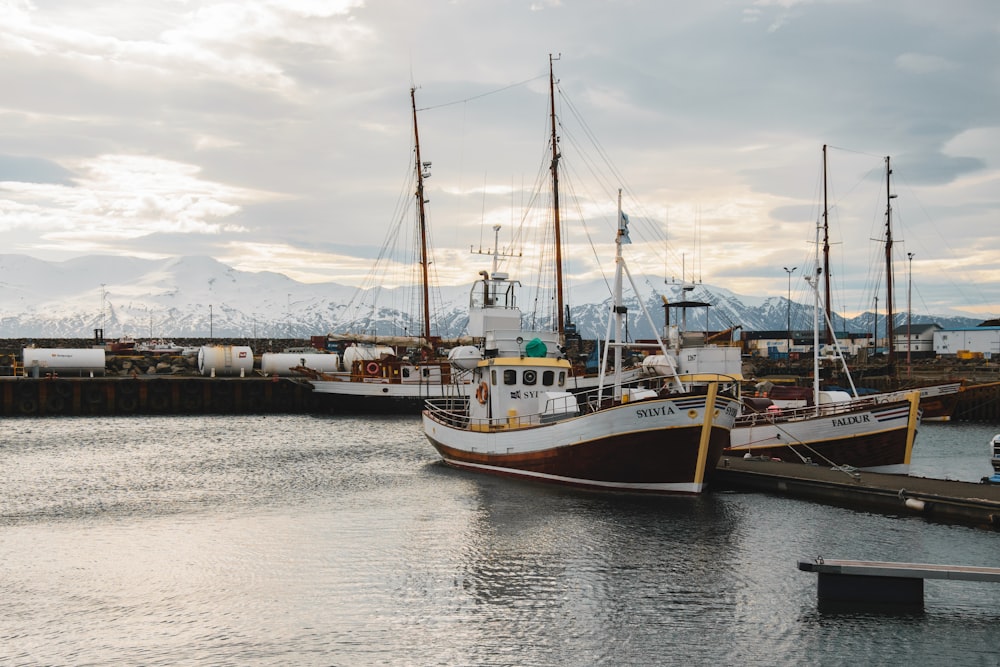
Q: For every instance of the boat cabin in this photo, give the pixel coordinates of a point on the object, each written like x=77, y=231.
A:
x=513, y=392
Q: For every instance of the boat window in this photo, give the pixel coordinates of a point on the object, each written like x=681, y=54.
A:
x=562, y=378
x=426, y=371
x=406, y=372
x=493, y=377
x=510, y=376
x=530, y=377
x=548, y=377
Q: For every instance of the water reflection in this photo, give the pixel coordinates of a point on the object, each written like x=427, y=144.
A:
x=596, y=572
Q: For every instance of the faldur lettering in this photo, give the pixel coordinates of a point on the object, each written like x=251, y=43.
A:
x=853, y=419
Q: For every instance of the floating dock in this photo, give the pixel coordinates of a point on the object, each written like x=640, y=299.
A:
x=846, y=582
x=934, y=499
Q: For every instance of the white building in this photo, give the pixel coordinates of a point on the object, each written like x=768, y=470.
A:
x=982, y=340
x=917, y=339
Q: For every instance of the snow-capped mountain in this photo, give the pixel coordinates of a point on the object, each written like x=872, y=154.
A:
x=188, y=297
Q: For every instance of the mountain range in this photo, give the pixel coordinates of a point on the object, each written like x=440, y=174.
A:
x=196, y=296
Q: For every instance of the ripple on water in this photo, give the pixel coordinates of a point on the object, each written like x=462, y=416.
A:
x=321, y=540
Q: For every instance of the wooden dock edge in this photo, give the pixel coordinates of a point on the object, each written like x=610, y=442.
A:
x=946, y=501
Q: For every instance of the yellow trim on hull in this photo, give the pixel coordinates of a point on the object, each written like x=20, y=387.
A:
x=911, y=427
x=706, y=432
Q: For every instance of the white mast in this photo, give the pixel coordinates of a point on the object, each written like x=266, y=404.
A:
x=619, y=307
x=813, y=281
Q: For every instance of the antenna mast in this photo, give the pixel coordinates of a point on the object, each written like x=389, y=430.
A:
x=555, y=197
x=422, y=219
x=826, y=257
x=889, y=329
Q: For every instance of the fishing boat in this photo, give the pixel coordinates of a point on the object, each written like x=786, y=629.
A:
x=522, y=420
x=836, y=428
x=394, y=374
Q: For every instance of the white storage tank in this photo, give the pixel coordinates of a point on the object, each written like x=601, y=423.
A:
x=225, y=360
x=281, y=363
x=44, y=360
x=365, y=353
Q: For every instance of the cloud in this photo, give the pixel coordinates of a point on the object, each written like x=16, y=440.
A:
x=918, y=63
x=124, y=197
x=279, y=134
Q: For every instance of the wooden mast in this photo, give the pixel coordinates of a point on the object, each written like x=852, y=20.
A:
x=889, y=329
x=826, y=257
x=421, y=223
x=554, y=168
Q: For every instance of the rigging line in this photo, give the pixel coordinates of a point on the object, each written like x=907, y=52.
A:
x=486, y=94
x=583, y=221
x=590, y=135
x=856, y=152
x=795, y=442
x=604, y=156
x=640, y=217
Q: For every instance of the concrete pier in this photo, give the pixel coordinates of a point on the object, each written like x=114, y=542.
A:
x=934, y=499
x=73, y=396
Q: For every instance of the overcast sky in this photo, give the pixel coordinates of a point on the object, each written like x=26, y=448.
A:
x=277, y=134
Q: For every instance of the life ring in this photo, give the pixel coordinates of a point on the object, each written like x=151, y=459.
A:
x=483, y=393
x=372, y=368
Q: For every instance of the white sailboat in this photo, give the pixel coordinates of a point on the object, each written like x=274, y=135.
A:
x=385, y=374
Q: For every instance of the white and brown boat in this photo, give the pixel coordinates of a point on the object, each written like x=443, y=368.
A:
x=875, y=433
x=524, y=422
x=861, y=433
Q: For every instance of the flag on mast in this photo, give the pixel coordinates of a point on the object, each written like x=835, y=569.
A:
x=623, y=228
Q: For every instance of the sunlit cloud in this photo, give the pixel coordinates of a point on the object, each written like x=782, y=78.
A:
x=125, y=197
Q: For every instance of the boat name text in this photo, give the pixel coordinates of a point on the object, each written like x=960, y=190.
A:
x=656, y=412
x=524, y=394
x=854, y=419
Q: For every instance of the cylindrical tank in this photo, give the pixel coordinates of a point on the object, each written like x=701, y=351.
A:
x=465, y=357
x=365, y=353
x=281, y=363
x=57, y=360
x=225, y=360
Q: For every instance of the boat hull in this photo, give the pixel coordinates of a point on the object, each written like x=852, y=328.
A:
x=873, y=437
x=653, y=446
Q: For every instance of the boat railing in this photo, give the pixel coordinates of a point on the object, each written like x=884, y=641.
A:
x=449, y=410
x=807, y=412
x=455, y=411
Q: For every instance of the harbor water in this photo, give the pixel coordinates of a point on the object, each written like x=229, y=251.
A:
x=309, y=540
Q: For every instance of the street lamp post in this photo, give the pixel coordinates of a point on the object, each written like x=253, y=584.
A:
x=788, y=327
